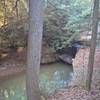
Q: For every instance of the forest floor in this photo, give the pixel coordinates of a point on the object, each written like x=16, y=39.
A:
x=77, y=93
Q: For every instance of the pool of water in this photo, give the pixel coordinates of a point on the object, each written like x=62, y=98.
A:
x=52, y=77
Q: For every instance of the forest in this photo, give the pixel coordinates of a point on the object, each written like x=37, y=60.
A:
x=49, y=50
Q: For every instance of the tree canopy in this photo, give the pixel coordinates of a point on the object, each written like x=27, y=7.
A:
x=62, y=20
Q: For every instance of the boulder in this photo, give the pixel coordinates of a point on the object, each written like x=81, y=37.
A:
x=80, y=66
x=66, y=58
x=48, y=56
x=82, y=57
x=69, y=53
x=86, y=35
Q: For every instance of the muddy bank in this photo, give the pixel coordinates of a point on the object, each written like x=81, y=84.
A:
x=10, y=71
x=13, y=63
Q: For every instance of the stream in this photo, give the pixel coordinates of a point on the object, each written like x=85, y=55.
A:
x=52, y=77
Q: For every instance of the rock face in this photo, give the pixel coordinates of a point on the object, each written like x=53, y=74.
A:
x=86, y=35
x=48, y=56
x=80, y=64
x=82, y=58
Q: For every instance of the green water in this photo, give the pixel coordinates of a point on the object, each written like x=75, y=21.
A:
x=52, y=77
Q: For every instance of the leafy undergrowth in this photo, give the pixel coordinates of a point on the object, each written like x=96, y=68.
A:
x=78, y=93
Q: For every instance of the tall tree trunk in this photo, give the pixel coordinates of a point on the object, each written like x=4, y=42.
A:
x=93, y=44
x=4, y=13
x=34, y=48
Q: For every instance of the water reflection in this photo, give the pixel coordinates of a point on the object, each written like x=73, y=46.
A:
x=52, y=77
x=13, y=89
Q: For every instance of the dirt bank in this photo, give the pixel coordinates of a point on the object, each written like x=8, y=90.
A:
x=10, y=71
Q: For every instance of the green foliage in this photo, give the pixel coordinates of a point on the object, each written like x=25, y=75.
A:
x=14, y=22
x=14, y=34
x=63, y=19
x=79, y=14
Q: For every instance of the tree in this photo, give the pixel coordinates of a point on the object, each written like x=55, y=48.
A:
x=93, y=44
x=64, y=20
x=34, y=48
